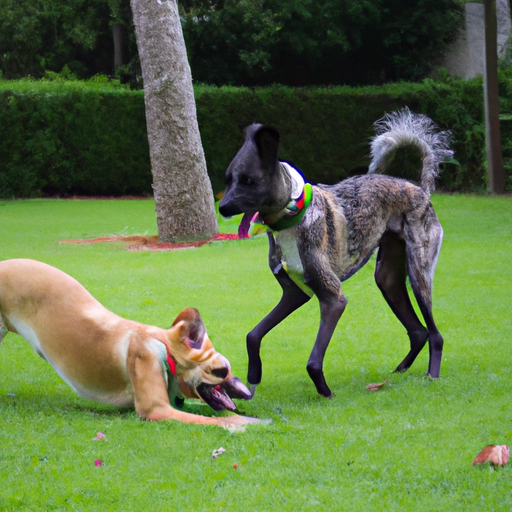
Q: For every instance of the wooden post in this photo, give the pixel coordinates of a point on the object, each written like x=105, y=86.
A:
x=119, y=34
x=495, y=168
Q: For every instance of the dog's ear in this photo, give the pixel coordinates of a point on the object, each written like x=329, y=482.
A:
x=267, y=142
x=191, y=327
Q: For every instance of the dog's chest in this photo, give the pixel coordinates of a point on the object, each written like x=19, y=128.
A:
x=290, y=259
x=326, y=242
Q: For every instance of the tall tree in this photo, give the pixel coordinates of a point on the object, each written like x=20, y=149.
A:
x=495, y=168
x=183, y=193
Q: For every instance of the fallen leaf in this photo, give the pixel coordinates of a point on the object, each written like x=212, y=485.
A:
x=97, y=463
x=235, y=466
x=375, y=387
x=217, y=452
x=99, y=436
x=497, y=455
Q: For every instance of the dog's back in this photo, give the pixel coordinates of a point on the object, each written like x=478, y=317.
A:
x=372, y=204
x=66, y=326
x=410, y=146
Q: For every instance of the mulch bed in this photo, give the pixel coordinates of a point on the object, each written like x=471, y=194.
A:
x=150, y=243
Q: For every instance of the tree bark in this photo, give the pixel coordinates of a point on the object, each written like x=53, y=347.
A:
x=495, y=169
x=184, y=202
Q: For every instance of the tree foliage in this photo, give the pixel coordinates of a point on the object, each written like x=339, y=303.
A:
x=240, y=42
x=305, y=42
x=49, y=35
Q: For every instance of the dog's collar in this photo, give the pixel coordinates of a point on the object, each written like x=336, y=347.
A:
x=294, y=211
x=170, y=364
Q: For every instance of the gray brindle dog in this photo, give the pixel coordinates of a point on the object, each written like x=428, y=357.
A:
x=320, y=235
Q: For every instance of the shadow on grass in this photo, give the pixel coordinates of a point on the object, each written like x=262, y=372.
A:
x=37, y=402
x=34, y=403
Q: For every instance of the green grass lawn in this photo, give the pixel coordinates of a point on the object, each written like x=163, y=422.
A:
x=407, y=447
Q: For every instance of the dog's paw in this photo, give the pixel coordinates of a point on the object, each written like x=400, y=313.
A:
x=237, y=423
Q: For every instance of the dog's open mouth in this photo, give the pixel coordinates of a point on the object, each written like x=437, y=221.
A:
x=219, y=396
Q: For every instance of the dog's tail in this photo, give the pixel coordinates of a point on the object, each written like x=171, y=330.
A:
x=409, y=146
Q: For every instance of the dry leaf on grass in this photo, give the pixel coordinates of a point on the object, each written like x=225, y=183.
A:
x=217, y=452
x=375, y=387
x=497, y=455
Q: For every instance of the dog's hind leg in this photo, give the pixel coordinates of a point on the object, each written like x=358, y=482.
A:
x=422, y=250
x=293, y=298
x=390, y=276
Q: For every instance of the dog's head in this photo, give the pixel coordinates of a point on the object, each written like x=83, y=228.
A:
x=254, y=181
x=200, y=370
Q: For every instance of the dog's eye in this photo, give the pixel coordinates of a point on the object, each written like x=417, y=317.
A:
x=246, y=180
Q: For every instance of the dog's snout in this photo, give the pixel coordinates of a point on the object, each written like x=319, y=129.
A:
x=222, y=209
x=221, y=373
x=228, y=210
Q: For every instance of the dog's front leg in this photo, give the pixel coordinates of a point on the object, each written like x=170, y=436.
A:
x=151, y=396
x=293, y=298
x=330, y=313
x=327, y=287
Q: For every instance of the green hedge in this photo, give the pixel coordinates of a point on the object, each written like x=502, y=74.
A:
x=326, y=132
x=65, y=138
x=69, y=138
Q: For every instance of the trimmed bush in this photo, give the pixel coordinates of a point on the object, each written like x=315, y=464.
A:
x=326, y=132
x=75, y=138
x=71, y=138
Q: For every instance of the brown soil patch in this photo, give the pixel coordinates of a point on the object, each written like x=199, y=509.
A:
x=150, y=243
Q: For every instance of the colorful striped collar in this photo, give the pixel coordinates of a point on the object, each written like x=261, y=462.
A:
x=295, y=210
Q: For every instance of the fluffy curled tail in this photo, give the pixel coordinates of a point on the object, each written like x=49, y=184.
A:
x=405, y=132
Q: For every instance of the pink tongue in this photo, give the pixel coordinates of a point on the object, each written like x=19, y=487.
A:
x=219, y=394
x=245, y=224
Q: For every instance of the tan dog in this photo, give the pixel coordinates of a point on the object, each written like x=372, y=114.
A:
x=108, y=359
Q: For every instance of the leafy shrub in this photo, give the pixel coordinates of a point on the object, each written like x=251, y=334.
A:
x=326, y=131
x=64, y=138
x=71, y=138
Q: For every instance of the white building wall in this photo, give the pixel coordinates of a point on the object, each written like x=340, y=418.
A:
x=466, y=57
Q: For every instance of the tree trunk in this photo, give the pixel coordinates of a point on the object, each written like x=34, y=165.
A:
x=184, y=202
x=495, y=168
x=119, y=35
